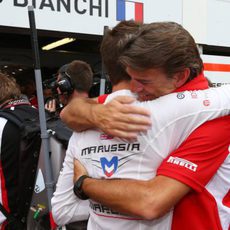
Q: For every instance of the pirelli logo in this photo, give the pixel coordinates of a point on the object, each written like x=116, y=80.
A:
x=183, y=163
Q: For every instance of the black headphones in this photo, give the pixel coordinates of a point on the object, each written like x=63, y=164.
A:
x=65, y=84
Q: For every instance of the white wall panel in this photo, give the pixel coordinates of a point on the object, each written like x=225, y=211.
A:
x=207, y=20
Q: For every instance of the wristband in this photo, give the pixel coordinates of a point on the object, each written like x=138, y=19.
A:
x=77, y=188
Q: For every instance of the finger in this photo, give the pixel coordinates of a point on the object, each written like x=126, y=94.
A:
x=135, y=110
x=54, y=104
x=125, y=131
x=130, y=127
x=129, y=108
x=125, y=136
x=126, y=120
x=125, y=99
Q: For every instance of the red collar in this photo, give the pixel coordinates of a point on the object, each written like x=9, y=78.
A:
x=13, y=103
x=198, y=83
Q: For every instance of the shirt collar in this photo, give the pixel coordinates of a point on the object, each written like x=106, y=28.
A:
x=198, y=83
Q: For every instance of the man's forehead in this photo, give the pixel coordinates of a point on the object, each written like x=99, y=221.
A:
x=140, y=74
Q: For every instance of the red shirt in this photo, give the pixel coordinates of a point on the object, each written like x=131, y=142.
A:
x=203, y=163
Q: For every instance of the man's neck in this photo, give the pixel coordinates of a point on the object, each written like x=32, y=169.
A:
x=121, y=85
x=76, y=94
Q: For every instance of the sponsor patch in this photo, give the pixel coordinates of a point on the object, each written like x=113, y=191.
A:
x=206, y=102
x=193, y=95
x=180, y=96
x=104, y=136
x=183, y=163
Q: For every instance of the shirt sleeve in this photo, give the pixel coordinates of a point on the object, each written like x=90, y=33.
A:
x=173, y=120
x=66, y=207
x=198, y=158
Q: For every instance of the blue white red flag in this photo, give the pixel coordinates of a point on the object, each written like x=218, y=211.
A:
x=127, y=10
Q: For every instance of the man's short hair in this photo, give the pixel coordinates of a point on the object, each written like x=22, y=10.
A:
x=80, y=74
x=162, y=45
x=8, y=88
x=111, y=49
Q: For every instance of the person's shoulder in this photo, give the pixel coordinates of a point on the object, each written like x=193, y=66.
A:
x=122, y=92
x=28, y=109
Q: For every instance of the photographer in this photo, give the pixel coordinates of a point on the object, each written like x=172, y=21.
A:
x=72, y=80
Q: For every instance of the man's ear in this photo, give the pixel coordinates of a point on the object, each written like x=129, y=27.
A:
x=181, y=77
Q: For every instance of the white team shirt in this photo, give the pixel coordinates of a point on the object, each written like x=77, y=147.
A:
x=107, y=157
x=66, y=207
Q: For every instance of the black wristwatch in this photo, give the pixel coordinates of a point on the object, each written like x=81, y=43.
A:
x=77, y=188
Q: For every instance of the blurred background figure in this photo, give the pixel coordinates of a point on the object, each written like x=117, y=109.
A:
x=72, y=80
x=17, y=165
x=26, y=81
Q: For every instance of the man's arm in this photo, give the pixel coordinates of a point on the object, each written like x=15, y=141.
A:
x=146, y=199
x=150, y=199
x=66, y=207
x=117, y=118
x=77, y=114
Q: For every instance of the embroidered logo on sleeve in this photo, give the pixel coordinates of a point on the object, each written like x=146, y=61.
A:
x=104, y=136
x=183, y=163
x=180, y=96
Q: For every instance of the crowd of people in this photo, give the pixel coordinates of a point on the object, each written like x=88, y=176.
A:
x=153, y=154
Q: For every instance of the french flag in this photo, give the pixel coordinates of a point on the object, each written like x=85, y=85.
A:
x=127, y=10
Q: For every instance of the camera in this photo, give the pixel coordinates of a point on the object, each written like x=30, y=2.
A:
x=50, y=83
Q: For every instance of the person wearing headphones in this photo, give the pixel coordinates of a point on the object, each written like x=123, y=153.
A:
x=73, y=80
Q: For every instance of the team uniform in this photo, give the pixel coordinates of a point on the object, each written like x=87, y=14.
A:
x=206, y=169
x=107, y=157
x=12, y=173
x=66, y=207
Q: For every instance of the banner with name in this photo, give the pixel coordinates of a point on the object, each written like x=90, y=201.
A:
x=86, y=16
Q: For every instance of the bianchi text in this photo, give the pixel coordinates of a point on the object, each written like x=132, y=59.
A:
x=98, y=8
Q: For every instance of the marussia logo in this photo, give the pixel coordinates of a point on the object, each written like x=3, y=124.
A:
x=127, y=10
x=109, y=167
